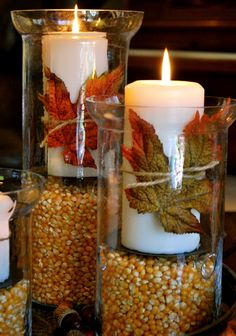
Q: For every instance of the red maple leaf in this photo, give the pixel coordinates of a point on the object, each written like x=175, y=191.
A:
x=57, y=103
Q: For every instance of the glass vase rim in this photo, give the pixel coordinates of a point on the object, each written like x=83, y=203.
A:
x=103, y=98
x=51, y=10
x=45, y=21
x=39, y=183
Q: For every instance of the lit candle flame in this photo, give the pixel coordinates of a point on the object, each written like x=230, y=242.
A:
x=75, y=26
x=166, y=67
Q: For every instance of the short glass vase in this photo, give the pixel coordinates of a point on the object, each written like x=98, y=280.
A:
x=161, y=217
x=19, y=192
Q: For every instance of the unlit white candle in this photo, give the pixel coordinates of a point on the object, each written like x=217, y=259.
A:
x=73, y=57
x=6, y=210
x=168, y=106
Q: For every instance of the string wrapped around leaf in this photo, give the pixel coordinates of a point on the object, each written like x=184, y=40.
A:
x=153, y=192
x=63, y=116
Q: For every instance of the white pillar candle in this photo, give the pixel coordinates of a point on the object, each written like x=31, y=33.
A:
x=6, y=210
x=73, y=57
x=168, y=106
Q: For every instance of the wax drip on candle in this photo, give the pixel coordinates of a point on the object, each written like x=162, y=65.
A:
x=7, y=207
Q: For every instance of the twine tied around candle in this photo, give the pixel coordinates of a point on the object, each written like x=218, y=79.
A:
x=168, y=176
x=61, y=125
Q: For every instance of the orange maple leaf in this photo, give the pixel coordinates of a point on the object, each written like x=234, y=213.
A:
x=200, y=135
x=107, y=84
x=57, y=103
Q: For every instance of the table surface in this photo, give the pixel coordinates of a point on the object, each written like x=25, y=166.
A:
x=44, y=324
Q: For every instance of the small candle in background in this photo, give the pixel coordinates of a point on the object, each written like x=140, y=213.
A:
x=168, y=106
x=7, y=207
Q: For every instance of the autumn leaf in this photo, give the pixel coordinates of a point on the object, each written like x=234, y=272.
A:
x=108, y=84
x=61, y=124
x=153, y=191
x=174, y=206
x=143, y=199
x=57, y=99
x=200, y=144
x=146, y=154
x=177, y=216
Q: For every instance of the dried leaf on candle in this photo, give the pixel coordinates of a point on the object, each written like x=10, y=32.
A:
x=57, y=99
x=199, y=140
x=91, y=134
x=143, y=199
x=61, y=122
x=146, y=154
x=107, y=84
x=177, y=216
x=156, y=194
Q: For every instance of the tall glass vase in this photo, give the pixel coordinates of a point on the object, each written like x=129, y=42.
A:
x=161, y=215
x=67, y=56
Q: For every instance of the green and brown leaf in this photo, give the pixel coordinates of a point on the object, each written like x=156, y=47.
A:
x=146, y=154
x=173, y=205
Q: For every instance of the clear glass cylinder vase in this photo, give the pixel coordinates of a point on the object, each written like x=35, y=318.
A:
x=161, y=215
x=19, y=192
x=62, y=65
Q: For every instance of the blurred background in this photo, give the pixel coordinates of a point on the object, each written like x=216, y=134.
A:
x=200, y=36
